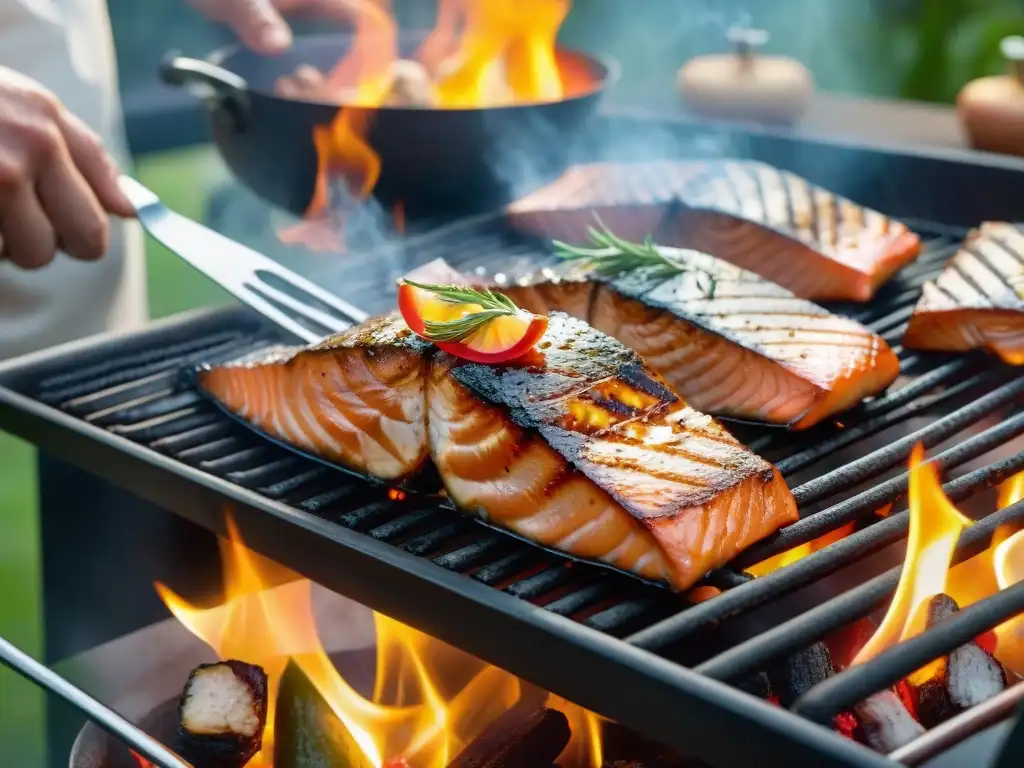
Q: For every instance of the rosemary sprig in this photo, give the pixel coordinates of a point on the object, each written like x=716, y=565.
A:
x=491, y=305
x=614, y=256
x=1017, y=283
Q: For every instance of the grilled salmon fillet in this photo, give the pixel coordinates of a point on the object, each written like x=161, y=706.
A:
x=582, y=448
x=977, y=301
x=817, y=244
x=579, y=447
x=730, y=342
x=355, y=399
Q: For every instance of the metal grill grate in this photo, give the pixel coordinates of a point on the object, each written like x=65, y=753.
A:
x=138, y=393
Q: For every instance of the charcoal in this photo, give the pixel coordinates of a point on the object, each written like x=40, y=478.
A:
x=969, y=675
x=884, y=724
x=973, y=676
x=757, y=685
x=221, y=714
x=524, y=737
x=933, y=703
x=796, y=675
x=940, y=608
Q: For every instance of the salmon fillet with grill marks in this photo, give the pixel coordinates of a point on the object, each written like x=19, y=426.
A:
x=819, y=245
x=355, y=399
x=582, y=448
x=977, y=301
x=579, y=447
x=746, y=348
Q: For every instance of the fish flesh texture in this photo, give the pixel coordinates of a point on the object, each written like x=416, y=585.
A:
x=819, y=245
x=730, y=342
x=977, y=301
x=355, y=399
x=579, y=446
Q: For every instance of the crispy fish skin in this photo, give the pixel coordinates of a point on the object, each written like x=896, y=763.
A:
x=818, y=244
x=356, y=399
x=977, y=301
x=727, y=340
x=583, y=448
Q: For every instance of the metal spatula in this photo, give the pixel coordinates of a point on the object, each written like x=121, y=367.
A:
x=283, y=297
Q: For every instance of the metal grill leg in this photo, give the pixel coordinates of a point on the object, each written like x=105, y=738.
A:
x=102, y=549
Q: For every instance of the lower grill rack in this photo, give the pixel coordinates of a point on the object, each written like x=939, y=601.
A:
x=124, y=410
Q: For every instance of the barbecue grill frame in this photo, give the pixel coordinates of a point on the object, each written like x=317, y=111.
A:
x=671, y=703
x=580, y=663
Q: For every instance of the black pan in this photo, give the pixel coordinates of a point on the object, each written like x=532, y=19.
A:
x=433, y=161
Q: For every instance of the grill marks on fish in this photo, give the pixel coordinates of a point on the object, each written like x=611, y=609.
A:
x=356, y=399
x=654, y=486
x=977, y=301
x=818, y=244
x=750, y=349
x=579, y=446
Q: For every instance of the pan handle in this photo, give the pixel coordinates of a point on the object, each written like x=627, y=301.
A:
x=226, y=90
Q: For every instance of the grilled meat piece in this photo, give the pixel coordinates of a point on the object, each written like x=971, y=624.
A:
x=355, y=399
x=222, y=714
x=632, y=199
x=977, y=302
x=579, y=446
x=745, y=347
x=815, y=243
x=583, y=448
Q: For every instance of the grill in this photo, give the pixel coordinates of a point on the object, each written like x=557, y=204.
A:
x=122, y=409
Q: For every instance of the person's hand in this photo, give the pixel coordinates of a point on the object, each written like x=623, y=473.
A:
x=57, y=182
x=260, y=24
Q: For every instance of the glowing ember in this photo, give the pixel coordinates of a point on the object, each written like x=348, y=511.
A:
x=430, y=700
x=481, y=53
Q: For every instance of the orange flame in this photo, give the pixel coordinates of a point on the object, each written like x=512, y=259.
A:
x=790, y=556
x=1008, y=564
x=480, y=53
x=429, y=700
x=935, y=526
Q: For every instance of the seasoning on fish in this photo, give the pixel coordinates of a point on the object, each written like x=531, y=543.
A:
x=581, y=447
x=221, y=714
x=730, y=342
x=577, y=445
x=977, y=302
x=815, y=243
x=355, y=399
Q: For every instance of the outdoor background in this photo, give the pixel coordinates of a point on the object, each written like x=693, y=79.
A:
x=912, y=49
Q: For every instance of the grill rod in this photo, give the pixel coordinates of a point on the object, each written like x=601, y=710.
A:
x=956, y=729
x=99, y=713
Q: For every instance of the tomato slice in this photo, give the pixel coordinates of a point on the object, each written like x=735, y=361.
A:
x=500, y=340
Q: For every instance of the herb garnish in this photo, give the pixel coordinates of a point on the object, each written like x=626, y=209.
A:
x=492, y=305
x=615, y=256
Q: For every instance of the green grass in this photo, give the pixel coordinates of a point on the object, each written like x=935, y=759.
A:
x=180, y=178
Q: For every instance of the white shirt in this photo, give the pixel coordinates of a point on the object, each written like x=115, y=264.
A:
x=66, y=45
